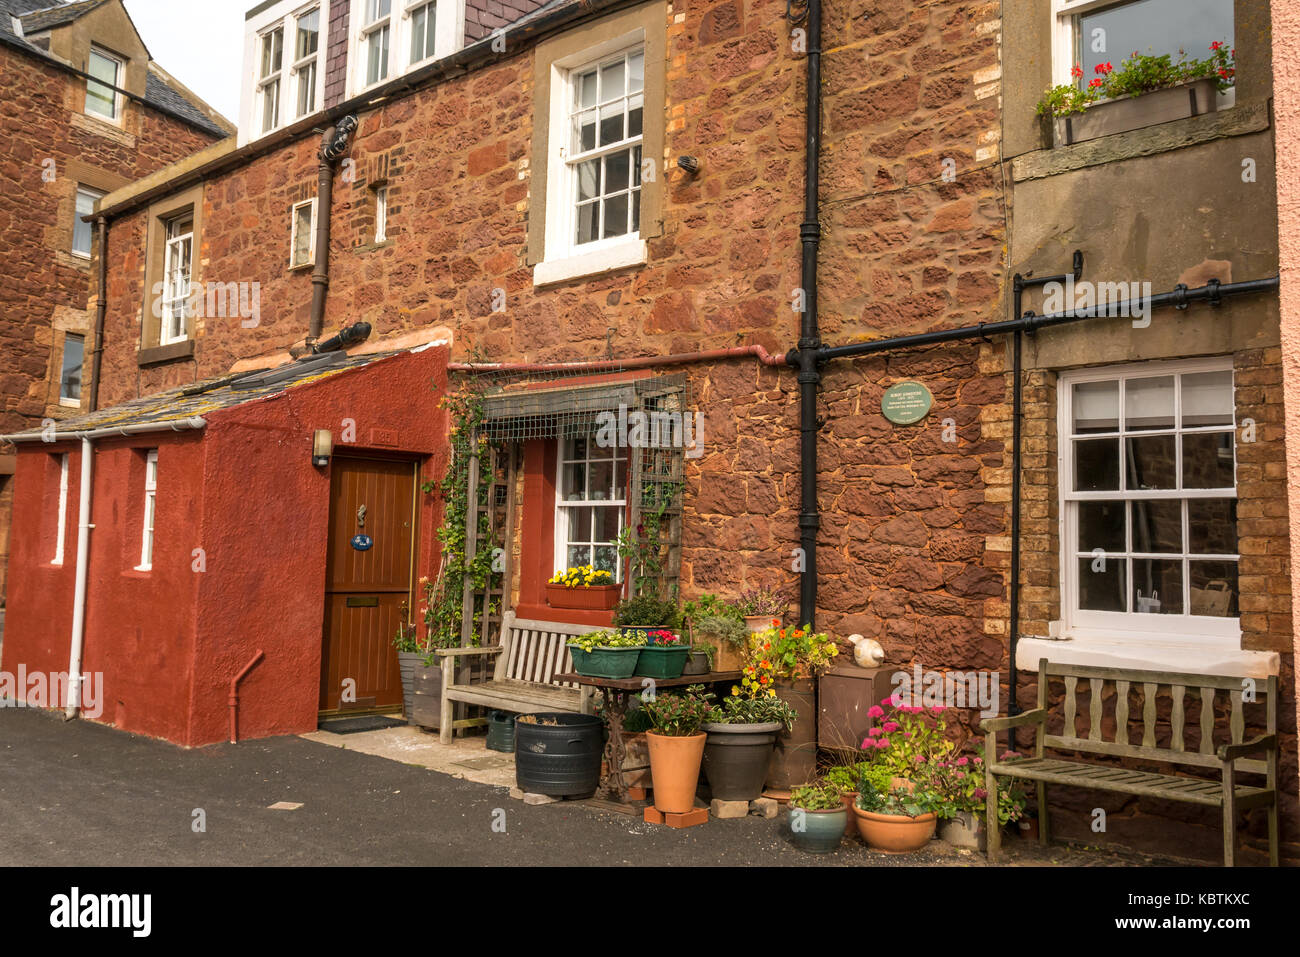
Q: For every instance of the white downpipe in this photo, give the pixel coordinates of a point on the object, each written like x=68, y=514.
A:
x=83, y=566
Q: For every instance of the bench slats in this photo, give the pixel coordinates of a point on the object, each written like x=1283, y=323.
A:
x=1207, y=721
x=1238, y=720
x=1177, y=718
x=1094, y=710
x=1141, y=783
x=1071, y=704
x=1062, y=743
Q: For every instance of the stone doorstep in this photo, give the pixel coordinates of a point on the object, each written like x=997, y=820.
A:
x=466, y=758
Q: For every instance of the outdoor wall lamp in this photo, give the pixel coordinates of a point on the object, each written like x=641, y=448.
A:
x=322, y=447
x=688, y=164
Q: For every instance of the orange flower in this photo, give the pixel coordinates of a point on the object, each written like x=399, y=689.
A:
x=764, y=680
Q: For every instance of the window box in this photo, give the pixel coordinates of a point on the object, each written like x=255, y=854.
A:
x=590, y=598
x=1134, y=113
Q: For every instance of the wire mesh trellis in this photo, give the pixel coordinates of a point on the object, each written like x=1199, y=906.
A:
x=651, y=416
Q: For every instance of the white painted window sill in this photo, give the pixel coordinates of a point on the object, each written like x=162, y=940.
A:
x=593, y=263
x=1204, y=658
x=69, y=403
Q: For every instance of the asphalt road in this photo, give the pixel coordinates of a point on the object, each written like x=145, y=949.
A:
x=78, y=794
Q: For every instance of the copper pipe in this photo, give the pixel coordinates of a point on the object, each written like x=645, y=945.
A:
x=234, y=696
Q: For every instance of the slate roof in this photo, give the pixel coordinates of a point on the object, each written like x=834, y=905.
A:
x=37, y=15
x=212, y=395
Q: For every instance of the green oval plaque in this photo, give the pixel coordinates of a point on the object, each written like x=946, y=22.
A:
x=906, y=403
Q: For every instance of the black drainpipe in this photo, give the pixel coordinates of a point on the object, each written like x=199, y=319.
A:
x=101, y=310
x=807, y=356
x=334, y=141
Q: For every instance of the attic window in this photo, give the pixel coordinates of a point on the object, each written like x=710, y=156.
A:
x=101, y=92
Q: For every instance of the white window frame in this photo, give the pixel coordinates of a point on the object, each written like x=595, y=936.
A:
x=68, y=401
x=293, y=234
x=564, y=506
x=172, y=292
x=273, y=78
x=563, y=258
x=381, y=214
x=1063, y=48
x=61, y=540
x=311, y=60
x=1132, y=627
x=95, y=196
x=118, y=66
x=368, y=27
x=449, y=36
x=150, y=511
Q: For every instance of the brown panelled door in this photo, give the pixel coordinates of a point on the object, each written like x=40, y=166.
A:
x=369, y=575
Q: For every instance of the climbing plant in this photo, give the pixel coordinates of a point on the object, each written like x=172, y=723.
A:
x=443, y=615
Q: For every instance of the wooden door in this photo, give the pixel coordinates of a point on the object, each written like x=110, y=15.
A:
x=369, y=575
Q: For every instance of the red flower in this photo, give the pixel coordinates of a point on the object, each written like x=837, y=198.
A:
x=1076, y=71
x=1103, y=68
x=1216, y=45
x=1095, y=83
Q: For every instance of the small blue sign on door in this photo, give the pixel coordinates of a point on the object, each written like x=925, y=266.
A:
x=362, y=543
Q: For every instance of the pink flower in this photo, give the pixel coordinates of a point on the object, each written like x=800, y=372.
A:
x=875, y=733
x=907, y=734
x=882, y=742
x=961, y=762
x=891, y=726
x=920, y=759
x=887, y=700
x=868, y=743
x=960, y=775
x=981, y=793
x=875, y=711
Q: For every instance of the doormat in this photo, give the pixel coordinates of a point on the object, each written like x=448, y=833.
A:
x=369, y=722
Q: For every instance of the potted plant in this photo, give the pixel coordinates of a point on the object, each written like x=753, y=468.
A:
x=898, y=820
x=960, y=778
x=817, y=817
x=584, y=587
x=908, y=740
x=645, y=613
x=701, y=660
x=720, y=625
x=420, y=671
x=676, y=746
x=848, y=778
x=1143, y=91
x=788, y=661
x=663, y=656
x=741, y=735
x=606, y=653
x=762, y=607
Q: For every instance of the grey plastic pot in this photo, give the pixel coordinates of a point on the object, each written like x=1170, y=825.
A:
x=736, y=758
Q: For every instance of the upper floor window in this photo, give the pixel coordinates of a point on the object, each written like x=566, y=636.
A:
x=82, y=231
x=269, y=77
x=102, y=98
x=1094, y=33
x=178, y=261
x=305, y=68
x=74, y=354
x=376, y=36
x=424, y=19
x=1149, y=500
x=604, y=150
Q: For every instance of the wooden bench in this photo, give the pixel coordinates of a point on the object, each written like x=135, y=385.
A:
x=529, y=657
x=1229, y=759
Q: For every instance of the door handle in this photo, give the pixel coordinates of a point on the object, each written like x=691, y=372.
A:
x=361, y=517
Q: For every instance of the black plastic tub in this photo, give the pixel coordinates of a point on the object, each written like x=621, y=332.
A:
x=560, y=755
x=501, y=731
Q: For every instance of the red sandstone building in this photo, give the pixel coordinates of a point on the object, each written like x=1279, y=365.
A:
x=86, y=111
x=607, y=201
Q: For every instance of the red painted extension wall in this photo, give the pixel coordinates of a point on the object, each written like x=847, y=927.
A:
x=245, y=492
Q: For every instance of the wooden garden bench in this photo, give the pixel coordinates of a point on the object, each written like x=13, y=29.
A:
x=529, y=657
x=1230, y=759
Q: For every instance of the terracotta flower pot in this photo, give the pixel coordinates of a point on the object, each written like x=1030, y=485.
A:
x=675, y=770
x=895, y=833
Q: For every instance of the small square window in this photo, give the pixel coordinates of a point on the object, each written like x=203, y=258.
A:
x=303, y=236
